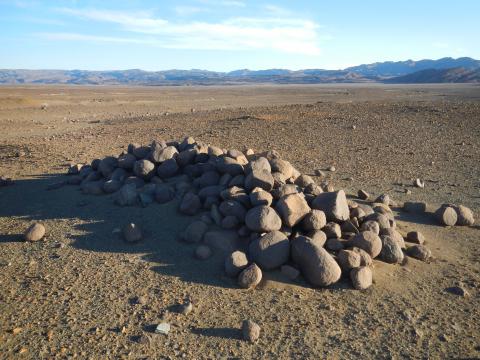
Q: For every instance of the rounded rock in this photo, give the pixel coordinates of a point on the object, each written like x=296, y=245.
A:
x=270, y=251
x=334, y=204
x=348, y=260
x=368, y=241
x=132, y=233
x=250, y=331
x=464, y=216
x=332, y=230
x=415, y=237
x=391, y=250
x=235, y=263
x=144, y=169
x=316, y=264
x=203, y=252
x=292, y=209
x=35, y=232
x=250, y=277
x=263, y=219
x=314, y=220
x=361, y=277
x=420, y=252
x=195, y=231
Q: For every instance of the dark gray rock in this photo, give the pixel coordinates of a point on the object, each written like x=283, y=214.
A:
x=190, y=204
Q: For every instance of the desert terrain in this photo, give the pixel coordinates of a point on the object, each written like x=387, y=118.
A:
x=75, y=294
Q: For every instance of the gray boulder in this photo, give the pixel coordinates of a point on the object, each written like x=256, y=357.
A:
x=368, y=241
x=316, y=264
x=263, y=219
x=334, y=204
x=314, y=220
x=292, y=209
x=391, y=250
x=271, y=250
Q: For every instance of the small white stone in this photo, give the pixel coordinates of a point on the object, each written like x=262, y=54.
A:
x=163, y=328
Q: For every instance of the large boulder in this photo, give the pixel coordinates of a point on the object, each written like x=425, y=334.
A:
x=316, y=264
x=292, y=209
x=368, y=241
x=334, y=204
x=271, y=250
x=263, y=219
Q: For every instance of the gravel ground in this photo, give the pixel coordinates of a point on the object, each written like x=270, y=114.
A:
x=74, y=294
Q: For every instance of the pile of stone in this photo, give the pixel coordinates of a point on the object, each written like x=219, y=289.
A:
x=257, y=209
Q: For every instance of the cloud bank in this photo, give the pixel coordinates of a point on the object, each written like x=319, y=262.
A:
x=283, y=34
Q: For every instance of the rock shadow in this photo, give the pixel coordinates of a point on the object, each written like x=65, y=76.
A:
x=94, y=222
x=223, y=332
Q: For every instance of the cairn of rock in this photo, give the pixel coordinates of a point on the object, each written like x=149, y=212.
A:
x=257, y=209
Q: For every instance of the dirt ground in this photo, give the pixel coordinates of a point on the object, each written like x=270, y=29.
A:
x=73, y=294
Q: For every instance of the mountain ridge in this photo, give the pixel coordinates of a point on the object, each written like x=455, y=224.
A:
x=441, y=70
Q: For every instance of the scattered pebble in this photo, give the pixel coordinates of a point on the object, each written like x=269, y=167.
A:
x=250, y=331
x=132, y=233
x=162, y=328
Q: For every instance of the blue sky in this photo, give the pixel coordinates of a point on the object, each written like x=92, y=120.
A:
x=226, y=35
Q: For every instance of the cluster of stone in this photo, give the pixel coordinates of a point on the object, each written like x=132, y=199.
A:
x=257, y=209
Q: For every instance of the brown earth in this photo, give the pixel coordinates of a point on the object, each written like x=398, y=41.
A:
x=72, y=295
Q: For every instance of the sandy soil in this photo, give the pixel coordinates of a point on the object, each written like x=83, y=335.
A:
x=73, y=295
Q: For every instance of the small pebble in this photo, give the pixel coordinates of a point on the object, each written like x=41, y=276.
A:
x=162, y=328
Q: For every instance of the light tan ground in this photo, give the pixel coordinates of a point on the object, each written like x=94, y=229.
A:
x=75, y=299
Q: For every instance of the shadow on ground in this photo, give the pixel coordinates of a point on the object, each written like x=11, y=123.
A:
x=92, y=220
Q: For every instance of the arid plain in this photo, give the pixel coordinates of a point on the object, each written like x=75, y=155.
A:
x=73, y=295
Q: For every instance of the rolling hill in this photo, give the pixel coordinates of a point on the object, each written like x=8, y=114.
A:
x=442, y=70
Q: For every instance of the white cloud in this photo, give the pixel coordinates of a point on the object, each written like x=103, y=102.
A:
x=188, y=10
x=227, y=3
x=285, y=35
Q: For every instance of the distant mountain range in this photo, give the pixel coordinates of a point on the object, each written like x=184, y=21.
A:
x=443, y=70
